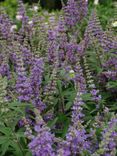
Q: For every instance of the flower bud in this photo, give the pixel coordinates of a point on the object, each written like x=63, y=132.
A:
x=114, y=24
x=96, y=2
x=19, y=17
x=14, y=27
x=35, y=8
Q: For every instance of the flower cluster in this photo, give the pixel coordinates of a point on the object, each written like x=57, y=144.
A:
x=61, y=76
x=36, y=79
x=108, y=144
x=23, y=85
x=42, y=143
x=75, y=11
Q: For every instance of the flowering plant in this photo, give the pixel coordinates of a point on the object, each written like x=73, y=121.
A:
x=58, y=83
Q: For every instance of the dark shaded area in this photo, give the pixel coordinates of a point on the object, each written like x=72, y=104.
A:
x=56, y=4
x=51, y=4
x=47, y=4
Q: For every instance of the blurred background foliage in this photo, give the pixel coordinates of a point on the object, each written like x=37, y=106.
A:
x=105, y=9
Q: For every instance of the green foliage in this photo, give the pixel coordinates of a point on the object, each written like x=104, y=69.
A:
x=60, y=98
x=10, y=7
x=12, y=139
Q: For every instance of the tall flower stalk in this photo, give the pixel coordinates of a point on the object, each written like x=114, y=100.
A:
x=36, y=80
x=42, y=143
x=108, y=144
x=23, y=87
x=50, y=90
x=3, y=101
x=4, y=66
x=61, y=40
x=91, y=85
x=74, y=12
x=76, y=138
x=51, y=46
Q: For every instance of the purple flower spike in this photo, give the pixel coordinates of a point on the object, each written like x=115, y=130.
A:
x=23, y=86
x=52, y=46
x=36, y=79
x=108, y=144
x=74, y=12
x=42, y=143
x=76, y=138
x=24, y=89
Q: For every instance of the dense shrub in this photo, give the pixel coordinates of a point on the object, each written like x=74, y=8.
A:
x=58, y=82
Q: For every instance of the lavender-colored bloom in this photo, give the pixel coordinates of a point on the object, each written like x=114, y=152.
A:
x=21, y=15
x=108, y=42
x=61, y=39
x=83, y=8
x=77, y=110
x=37, y=102
x=82, y=46
x=110, y=67
x=76, y=135
x=51, y=88
x=27, y=56
x=36, y=74
x=26, y=50
x=21, y=11
x=4, y=59
x=71, y=53
x=42, y=143
x=108, y=143
x=4, y=70
x=36, y=79
x=28, y=132
x=71, y=13
x=79, y=79
x=26, y=122
x=94, y=92
x=64, y=151
x=23, y=87
x=52, y=46
x=5, y=26
x=109, y=73
x=74, y=12
x=94, y=32
x=111, y=63
x=94, y=26
x=76, y=138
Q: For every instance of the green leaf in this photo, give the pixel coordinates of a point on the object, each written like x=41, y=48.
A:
x=16, y=148
x=3, y=139
x=59, y=86
x=53, y=122
x=5, y=130
x=66, y=125
x=62, y=117
x=28, y=153
x=4, y=147
x=86, y=97
x=112, y=84
x=20, y=134
x=68, y=105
